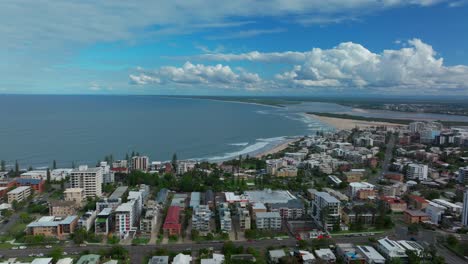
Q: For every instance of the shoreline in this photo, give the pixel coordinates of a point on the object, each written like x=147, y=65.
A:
x=348, y=124
x=277, y=148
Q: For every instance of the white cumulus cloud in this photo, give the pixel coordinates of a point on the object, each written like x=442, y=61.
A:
x=349, y=64
x=219, y=75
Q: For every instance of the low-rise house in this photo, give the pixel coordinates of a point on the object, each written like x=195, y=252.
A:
x=349, y=253
x=391, y=248
x=216, y=259
x=326, y=255
x=89, y=259
x=76, y=195
x=274, y=256
x=159, y=260
x=371, y=255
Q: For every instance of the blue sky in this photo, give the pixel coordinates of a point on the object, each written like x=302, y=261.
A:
x=277, y=47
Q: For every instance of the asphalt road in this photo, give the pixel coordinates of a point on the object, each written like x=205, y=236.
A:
x=139, y=252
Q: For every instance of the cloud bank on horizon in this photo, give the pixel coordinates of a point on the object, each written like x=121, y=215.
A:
x=248, y=47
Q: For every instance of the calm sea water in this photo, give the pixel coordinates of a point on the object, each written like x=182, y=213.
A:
x=38, y=129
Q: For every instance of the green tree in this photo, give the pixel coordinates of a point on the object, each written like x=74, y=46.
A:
x=413, y=258
x=48, y=175
x=79, y=236
x=56, y=253
x=17, y=170
x=452, y=240
x=174, y=162
x=118, y=252
x=54, y=165
x=3, y=166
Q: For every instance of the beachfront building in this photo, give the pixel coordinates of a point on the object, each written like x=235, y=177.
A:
x=19, y=194
x=89, y=179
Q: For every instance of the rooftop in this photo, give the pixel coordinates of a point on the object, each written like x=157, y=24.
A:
x=119, y=192
x=19, y=189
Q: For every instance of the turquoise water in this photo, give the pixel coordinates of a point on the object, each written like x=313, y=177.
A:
x=36, y=129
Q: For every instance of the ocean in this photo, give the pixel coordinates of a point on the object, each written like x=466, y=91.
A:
x=37, y=129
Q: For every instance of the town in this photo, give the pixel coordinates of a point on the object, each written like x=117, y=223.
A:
x=367, y=195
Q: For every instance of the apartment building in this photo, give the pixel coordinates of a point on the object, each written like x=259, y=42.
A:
x=293, y=209
x=75, y=195
x=324, y=203
x=201, y=218
x=172, y=224
x=19, y=194
x=86, y=221
x=140, y=163
x=62, y=208
x=244, y=219
x=225, y=217
x=268, y=220
x=104, y=222
x=89, y=179
x=149, y=220
x=125, y=218
x=417, y=171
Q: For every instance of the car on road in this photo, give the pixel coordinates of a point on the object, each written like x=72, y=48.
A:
x=14, y=247
x=23, y=247
x=48, y=246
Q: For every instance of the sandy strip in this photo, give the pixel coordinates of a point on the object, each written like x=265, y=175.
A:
x=277, y=149
x=341, y=123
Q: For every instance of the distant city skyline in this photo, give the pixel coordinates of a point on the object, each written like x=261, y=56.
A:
x=281, y=47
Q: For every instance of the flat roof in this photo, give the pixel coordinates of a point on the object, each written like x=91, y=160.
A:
x=119, y=192
x=269, y=196
x=46, y=221
x=268, y=215
x=42, y=261
x=19, y=189
x=370, y=253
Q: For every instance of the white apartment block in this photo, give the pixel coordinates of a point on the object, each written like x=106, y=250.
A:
x=201, y=218
x=268, y=220
x=225, y=217
x=124, y=219
x=87, y=220
x=149, y=221
x=417, y=171
x=244, y=219
x=19, y=194
x=89, y=179
x=324, y=202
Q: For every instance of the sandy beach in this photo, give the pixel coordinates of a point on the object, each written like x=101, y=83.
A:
x=278, y=148
x=341, y=123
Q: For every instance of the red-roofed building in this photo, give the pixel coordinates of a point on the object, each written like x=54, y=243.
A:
x=394, y=204
x=394, y=177
x=417, y=202
x=172, y=222
x=412, y=216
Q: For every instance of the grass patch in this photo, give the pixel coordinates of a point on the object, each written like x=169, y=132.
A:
x=140, y=241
